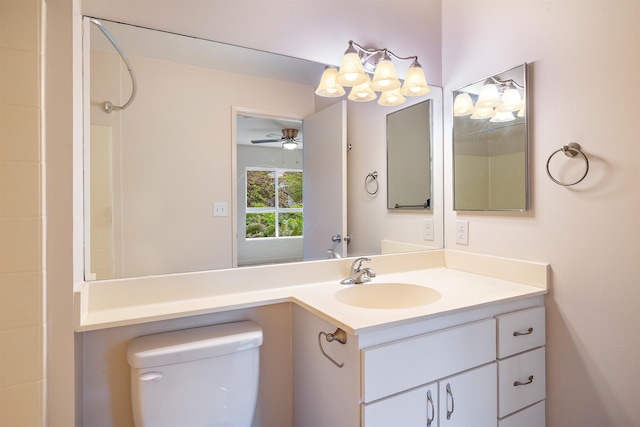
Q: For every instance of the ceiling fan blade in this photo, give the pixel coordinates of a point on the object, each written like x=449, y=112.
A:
x=264, y=141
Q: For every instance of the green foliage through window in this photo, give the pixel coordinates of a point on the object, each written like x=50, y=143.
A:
x=274, y=203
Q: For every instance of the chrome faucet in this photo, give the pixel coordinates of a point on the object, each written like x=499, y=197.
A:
x=359, y=274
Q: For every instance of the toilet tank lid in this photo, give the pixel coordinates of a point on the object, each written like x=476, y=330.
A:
x=193, y=344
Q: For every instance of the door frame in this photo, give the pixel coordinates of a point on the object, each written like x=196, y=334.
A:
x=235, y=112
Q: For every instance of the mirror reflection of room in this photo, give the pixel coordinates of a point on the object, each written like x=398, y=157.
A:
x=409, y=157
x=160, y=161
x=490, y=143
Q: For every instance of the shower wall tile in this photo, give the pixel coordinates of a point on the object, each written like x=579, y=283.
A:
x=22, y=405
x=19, y=189
x=21, y=358
x=21, y=300
x=20, y=24
x=19, y=133
x=19, y=74
x=20, y=244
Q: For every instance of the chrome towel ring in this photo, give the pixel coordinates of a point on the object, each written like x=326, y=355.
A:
x=371, y=184
x=570, y=150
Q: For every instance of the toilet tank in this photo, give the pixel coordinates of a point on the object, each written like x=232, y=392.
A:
x=196, y=377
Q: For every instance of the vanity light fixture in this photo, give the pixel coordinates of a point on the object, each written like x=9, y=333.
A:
x=502, y=116
x=497, y=100
x=462, y=105
x=390, y=98
x=355, y=68
x=328, y=86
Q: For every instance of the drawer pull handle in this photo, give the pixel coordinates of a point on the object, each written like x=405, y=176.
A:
x=449, y=393
x=517, y=333
x=430, y=414
x=517, y=383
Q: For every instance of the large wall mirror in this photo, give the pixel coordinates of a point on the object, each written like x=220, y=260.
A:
x=162, y=188
x=490, y=143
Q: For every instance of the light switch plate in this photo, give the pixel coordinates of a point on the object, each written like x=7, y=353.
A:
x=220, y=209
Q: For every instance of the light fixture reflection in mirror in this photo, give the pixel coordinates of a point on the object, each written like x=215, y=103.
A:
x=490, y=143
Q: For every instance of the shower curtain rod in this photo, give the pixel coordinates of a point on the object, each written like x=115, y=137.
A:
x=108, y=106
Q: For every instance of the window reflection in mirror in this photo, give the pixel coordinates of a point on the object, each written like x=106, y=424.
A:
x=490, y=144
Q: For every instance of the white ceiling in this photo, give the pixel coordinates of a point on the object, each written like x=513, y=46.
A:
x=257, y=127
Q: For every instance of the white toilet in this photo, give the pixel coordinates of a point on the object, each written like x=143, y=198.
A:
x=196, y=377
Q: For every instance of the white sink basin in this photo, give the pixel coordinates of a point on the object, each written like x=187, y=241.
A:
x=387, y=295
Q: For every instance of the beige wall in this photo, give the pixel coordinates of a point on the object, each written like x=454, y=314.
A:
x=584, y=61
x=22, y=322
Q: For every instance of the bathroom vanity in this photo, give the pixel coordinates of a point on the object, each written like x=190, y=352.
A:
x=484, y=367
x=471, y=355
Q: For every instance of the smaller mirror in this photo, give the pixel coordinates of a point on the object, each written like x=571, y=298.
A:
x=490, y=144
x=409, y=157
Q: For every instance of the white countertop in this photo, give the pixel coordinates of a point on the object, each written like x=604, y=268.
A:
x=117, y=303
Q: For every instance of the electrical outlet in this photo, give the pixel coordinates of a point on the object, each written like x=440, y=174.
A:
x=462, y=232
x=427, y=228
x=219, y=208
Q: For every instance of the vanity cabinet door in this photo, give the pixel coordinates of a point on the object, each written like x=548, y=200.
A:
x=470, y=398
x=413, y=408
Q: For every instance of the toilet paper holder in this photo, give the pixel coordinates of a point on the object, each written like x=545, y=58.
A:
x=339, y=335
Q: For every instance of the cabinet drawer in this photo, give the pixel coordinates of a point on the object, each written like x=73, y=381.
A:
x=533, y=416
x=520, y=331
x=417, y=407
x=401, y=365
x=521, y=381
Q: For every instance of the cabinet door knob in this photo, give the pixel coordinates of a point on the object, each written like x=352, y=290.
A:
x=450, y=394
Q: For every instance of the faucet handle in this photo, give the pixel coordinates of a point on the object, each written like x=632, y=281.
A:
x=357, y=263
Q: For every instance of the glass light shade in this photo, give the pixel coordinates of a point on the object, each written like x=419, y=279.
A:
x=391, y=98
x=462, y=105
x=510, y=101
x=522, y=111
x=362, y=93
x=385, y=77
x=489, y=97
x=289, y=144
x=483, y=113
x=415, y=83
x=328, y=86
x=502, y=116
x=351, y=70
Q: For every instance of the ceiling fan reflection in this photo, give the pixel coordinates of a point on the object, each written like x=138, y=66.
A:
x=288, y=138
